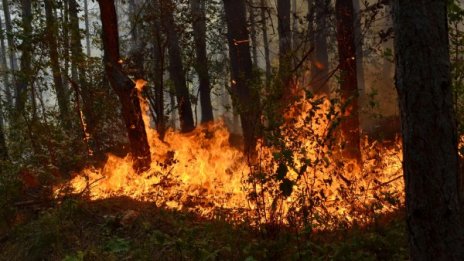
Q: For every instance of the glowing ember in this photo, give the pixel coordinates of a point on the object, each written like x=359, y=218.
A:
x=298, y=180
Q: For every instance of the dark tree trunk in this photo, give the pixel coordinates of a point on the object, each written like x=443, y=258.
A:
x=348, y=79
x=285, y=47
x=176, y=68
x=3, y=147
x=246, y=98
x=201, y=66
x=78, y=74
x=124, y=87
x=430, y=154
x=137, y=44
x=358, y=40
x=320, y=58
x=159, y=56
x=61, y=92
x=26, y=57
x=267, y=58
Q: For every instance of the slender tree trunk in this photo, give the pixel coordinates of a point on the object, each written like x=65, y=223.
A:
x=358, y=40
x=124, y=87
x=320, y=60
x=78, y=74
x=66, y=41
x=176, y=69
x=285, y=47
x=10, y=41
x=87, y=27
x=430, y=153
x=3, y=147
x=76, y=46
x=61, y=92
x=4, y=68
x=254, y=42
x=138, y=44
x=267, y=58
x=159, y=57
x=26, y=57
x=246, y=98
x=201, y=66
x=348, y=79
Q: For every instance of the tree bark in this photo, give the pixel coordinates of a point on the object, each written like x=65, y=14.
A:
x=201, y=66
x=78, y=74
x=4, y=68
x=124, y=87
x=10, y=40
x=87, y=27
x=267, y=58
x=245, y=97
x=285, y=48
x=3, y=147
x=254, y=42
x=358, y=40
x=159, y=56
x=430, y=154
x=320, y=58
x=348, y=80
x=176, y=68
x=26, y=57
x=61, y=92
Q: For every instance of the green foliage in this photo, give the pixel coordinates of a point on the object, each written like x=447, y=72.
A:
x=79, y=230
x=10, y=191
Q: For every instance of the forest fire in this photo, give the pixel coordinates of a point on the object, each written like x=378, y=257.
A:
x=297, y=181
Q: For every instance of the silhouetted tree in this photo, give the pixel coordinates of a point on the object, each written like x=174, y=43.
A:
x=60, y=88
x=430, y=152
x=201, y=64
x=348, y=80
x=176, y=68
x=245, y=97
x=124, y=87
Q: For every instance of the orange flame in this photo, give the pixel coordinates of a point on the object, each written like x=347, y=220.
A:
x=200, y=171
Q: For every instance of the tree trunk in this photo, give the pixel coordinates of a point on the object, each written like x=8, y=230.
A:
x=26, y=57
x=254, y=42
x=285, y=48
x=348, y=80
x=358, y=40
x=78, y=75
x=61, y=92
x=159, y=56
x=3, y=147
x=176, y=68
x=10, y=41
x=201, y=66
x=124, y=87
x=4, y=68
x=87, y=27
x=320, y=58
x=430, y=154
x=246, y=98
x=267, y=58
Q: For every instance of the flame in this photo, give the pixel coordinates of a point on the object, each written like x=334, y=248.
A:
x=201, y=172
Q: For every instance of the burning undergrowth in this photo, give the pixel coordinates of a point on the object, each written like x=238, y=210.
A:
x=298, y=177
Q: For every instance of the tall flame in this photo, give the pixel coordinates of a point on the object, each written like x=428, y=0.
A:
x=200, y=171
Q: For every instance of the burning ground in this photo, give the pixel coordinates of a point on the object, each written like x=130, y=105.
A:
x=300, y=179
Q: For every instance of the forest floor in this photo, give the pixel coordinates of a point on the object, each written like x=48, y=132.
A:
x=125, y=229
